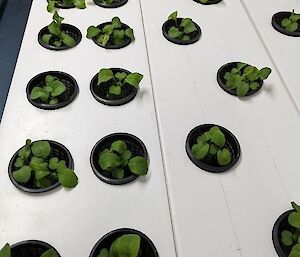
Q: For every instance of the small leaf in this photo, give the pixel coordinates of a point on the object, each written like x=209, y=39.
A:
x=80, y=4
x=58, y=88
x=200, y=150
x=57, y=43
x=118, y=36
x=242, y=89
x=188, y=25
x=51, y=6
x=43, y=183
x=36, y=93
x=295, y=252
x=67, y=178
x=264, y=73
x=116, y=23
x=103, y=253
x=138, y=165
x=218, y=138
x=68, y=40
x=294, y=219
x=53, y=163
x=46, y=38
x=286, y=22
x=6, y=251
x=127, y=245
x=295, y=206
x=213, y=149
x=49, y=79
x=120, y=76
x=19, y=162
x=173, y=16
x=115, y=90
x=174, y=32
x=292, y=27
x=126, y=155
x=39, y=174
x=53, y=101
x=92, y=31
x=134, y=79
x=117, y=173
x=57, y=18
x=186, y=38
x=254, y=85
x=108, y=29
x=241, y=65
x=129, y=33
x=22, y=175
x=41, y=149
x=203, y=138
x=286, y=238
x=105, y=75
x=223, y=157
x=118, y=146
x=108, y=161
x=54, y=29
x=105, y=40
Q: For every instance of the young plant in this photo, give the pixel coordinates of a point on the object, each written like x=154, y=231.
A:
x=111, y=33
x=50, y=91
x=118, y=80
x=6, y=252
x=60, y=37
x=211, y=145
x=292, y=23
x=183, y=30
x=35, y=163
x=127, y=245
x=245, y=77
x=117, y=158
x=80, y=4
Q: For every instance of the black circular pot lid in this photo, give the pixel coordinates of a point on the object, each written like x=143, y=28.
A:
x=209, y=2
x=194, y=36
x=231, y=143
x=222, y=82
x=31, y=248
x=115, y=4
x=276, y=23
x=147, y=247
x=110, y=45
x=57, y=150
x=62, y=6
x=100, y=92
x=68, y=29
x=134, y=144
x=280, y=225
x=64, y=99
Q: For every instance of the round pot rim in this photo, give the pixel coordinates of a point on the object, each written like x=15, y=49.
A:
x=113, y=181
x=116, y=102
x=126, y=42
x=210, y=2
x=231, y=91
x=62, y=6
x=280, y=29
x=37, y=190
x=53, y=106
x=63, y=47
x=127, y=231
x=177, y=41
x=208, y=167
x=113, y=5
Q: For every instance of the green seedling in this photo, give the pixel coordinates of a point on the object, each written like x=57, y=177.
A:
x=118, y=80
x=291, y=237
x=50, y=91
x=292, y=23
x=111, y=33
x=36, y=162
x=183, y=30
x=211, y=145
x=245, y=77
x=118, y=158
x=57, y=35
x=80, y=4
x=127, y=245
x=6, y=252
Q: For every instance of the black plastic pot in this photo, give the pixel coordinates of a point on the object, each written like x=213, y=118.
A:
x=209, y=2
x=194, y=36
x=110, y=44
x=280, y=225
x=68, y=29
x=30, y=248
x=59, y=151
x=62, y=6
x=212, y=166
x=63, y=100
x=276, y=23
x=147, y=247
x=116, y=4
x=134, y=144
x=100, y=92
x=222, y=82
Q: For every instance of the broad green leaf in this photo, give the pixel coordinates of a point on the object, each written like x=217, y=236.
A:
x=46, y=38
x=252, y=74
x=203, y=138
x=58, y=88
x=213, y=130
x=254, y=85
x=173, y=16
x=295, y=252
x=108, y=29
x=80, y=4
x=53, y=101
x=25, y=151
x=57, y=43
x=54, y=29
x=200, y=150
x=138, y=165
x=53, y=163
x=105, y=75
x=120, y=76
x=118, y=36
x=19, y=162
x=116, y=23
x=174, y=32
x=61, y=165
x=223, y=157
x=108, y=161
x=22, y=175
x=39, y=174
x=67, y=178
x=38, y=164
x=295, y=17
x=51, y=6
x=68, y=40
x=103, y=253
x=295, y=206
x=127, y=245
x=36, y=93
x=41, y=149
x=118, y=146
x=117, y=173
x=92, y=31
x=286, y=238
x=134, y=79
x=50, y=253
x=294, y=219
x=6, y=251
x=188, y=25
x=48, y=89
x=286, y=22
x=292, y=27
x=264, y=73
x=218, y=138
x=126, y=155
x=242, y=89
x=213, y=149
x=241, y=65
x=49, y=79
x=129, y=33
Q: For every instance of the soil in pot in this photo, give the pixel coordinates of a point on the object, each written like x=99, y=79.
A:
x=207, y=2
x=134, y=145
x=147, y=247
x=63, y=99
x=57, y=150
x=111, y=3
x=280, y=19
x=210, y=162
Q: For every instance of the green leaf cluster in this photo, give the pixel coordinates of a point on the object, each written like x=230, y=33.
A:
x=181, y=31
x=291, y=237
x=60, y=37
x=211, y=145
x=111, y=32
x=80, y=4
x=117, y=158
x=292, y=23
x=118, y=80
x=127, y=245
x=245, y=77
x=50, y=91
x=34, y=162
x=6, y=252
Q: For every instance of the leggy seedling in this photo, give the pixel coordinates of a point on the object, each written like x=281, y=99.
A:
x=112, y=33
x=118, y=158
x=80, y=4
x=211, y=145
x=6, y=252
x=118, y=80
x=292, y=23
x=35, y=163
x=245, y=77
x=50, y=91
x=126, y=245
x=60, y=37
